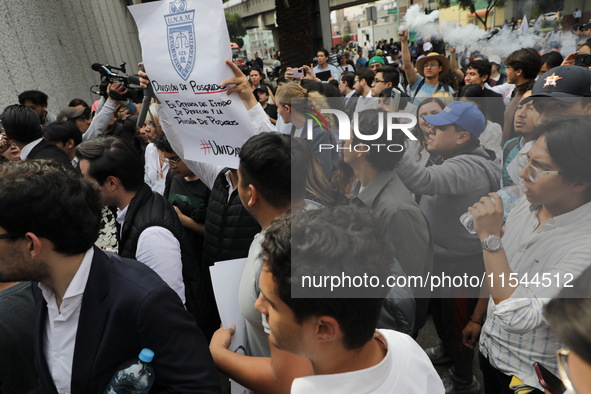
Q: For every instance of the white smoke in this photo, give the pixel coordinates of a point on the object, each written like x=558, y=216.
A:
x=471, y=38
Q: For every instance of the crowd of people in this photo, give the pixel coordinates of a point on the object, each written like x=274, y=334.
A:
x=107, y=231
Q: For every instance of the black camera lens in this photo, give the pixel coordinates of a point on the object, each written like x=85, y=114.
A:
x=583, y=59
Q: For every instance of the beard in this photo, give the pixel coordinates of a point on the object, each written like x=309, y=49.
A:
x=19, y=266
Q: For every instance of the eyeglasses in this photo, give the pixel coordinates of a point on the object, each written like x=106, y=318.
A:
x=533, y=173
x=433, y=64
x=9, y=236
x=562, y=356
x=171, y=162
x=375, y=80
x=152, y=125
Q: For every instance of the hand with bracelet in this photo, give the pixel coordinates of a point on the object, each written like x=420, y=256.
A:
x=471, y=333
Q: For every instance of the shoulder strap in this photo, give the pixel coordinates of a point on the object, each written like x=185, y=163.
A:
x=509, y=147
x=419, y=86
x=442, y=86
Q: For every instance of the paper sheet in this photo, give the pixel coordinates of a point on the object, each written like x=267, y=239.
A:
x=185, y=44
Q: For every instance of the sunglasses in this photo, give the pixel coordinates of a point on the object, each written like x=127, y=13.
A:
x=9, y=236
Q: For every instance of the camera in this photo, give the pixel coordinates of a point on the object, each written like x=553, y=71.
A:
x=298, y=73
x=111, y=74
x=583, y=59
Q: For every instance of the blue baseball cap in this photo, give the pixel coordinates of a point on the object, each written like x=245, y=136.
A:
x=465, y=115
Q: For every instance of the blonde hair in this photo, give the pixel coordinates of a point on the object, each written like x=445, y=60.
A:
x=288, y=91
x=445, y=97
x=153, y=113
x=292, y=90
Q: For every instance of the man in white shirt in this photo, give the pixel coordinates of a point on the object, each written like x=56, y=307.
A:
x=325, y=71
x=338, y=335
x=577, y=15
x=149, y=228
x=544, y=247
x=94, y=310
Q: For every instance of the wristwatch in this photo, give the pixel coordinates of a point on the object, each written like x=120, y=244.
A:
x=492, y=243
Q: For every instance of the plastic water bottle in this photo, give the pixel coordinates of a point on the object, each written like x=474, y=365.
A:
x=510, y=195
x=134, y=376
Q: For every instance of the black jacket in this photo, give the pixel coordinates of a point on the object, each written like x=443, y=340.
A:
x=126, y=306
x=229, y=231
x=46, y=150
x=229, y=228
x=147, y=209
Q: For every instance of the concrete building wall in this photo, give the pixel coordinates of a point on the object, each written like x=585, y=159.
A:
x=50, y=45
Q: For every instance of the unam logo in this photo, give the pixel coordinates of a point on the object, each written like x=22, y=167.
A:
x=181, y=37
x=177, y=6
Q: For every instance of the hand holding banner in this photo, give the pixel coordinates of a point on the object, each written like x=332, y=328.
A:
x=184, y=54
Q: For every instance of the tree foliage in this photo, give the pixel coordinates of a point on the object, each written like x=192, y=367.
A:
x=236, y=28
x=471, y=5
x=346, y=38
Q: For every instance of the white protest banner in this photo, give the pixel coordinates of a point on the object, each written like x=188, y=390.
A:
x=225, y=279
x=185, y=44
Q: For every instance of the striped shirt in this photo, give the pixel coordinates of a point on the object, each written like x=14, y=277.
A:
x=515, y=334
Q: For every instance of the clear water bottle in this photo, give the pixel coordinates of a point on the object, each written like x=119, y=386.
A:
x=510, y=195
x=134, y=376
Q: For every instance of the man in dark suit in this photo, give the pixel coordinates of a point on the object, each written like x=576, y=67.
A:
x=94, y=310
x=23, y=127
x=349, y=95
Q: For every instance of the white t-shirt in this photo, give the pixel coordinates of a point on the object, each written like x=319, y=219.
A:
x=258, y=344
x=405, y=369
x=491, y=138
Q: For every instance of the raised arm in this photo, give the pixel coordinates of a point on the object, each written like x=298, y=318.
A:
x=453, y=64
x=241, y=86
x=101, y=119
x=411, y=73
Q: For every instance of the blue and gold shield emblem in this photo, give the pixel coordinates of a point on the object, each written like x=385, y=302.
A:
x=181, y=37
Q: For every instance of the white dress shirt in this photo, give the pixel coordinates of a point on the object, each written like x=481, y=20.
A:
x=491, y=138
x=154, y=169
x=61, y=325
x=28, y=148
x=160, y=250
x=282, y=127
x=515, y=333
x=348, y=97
